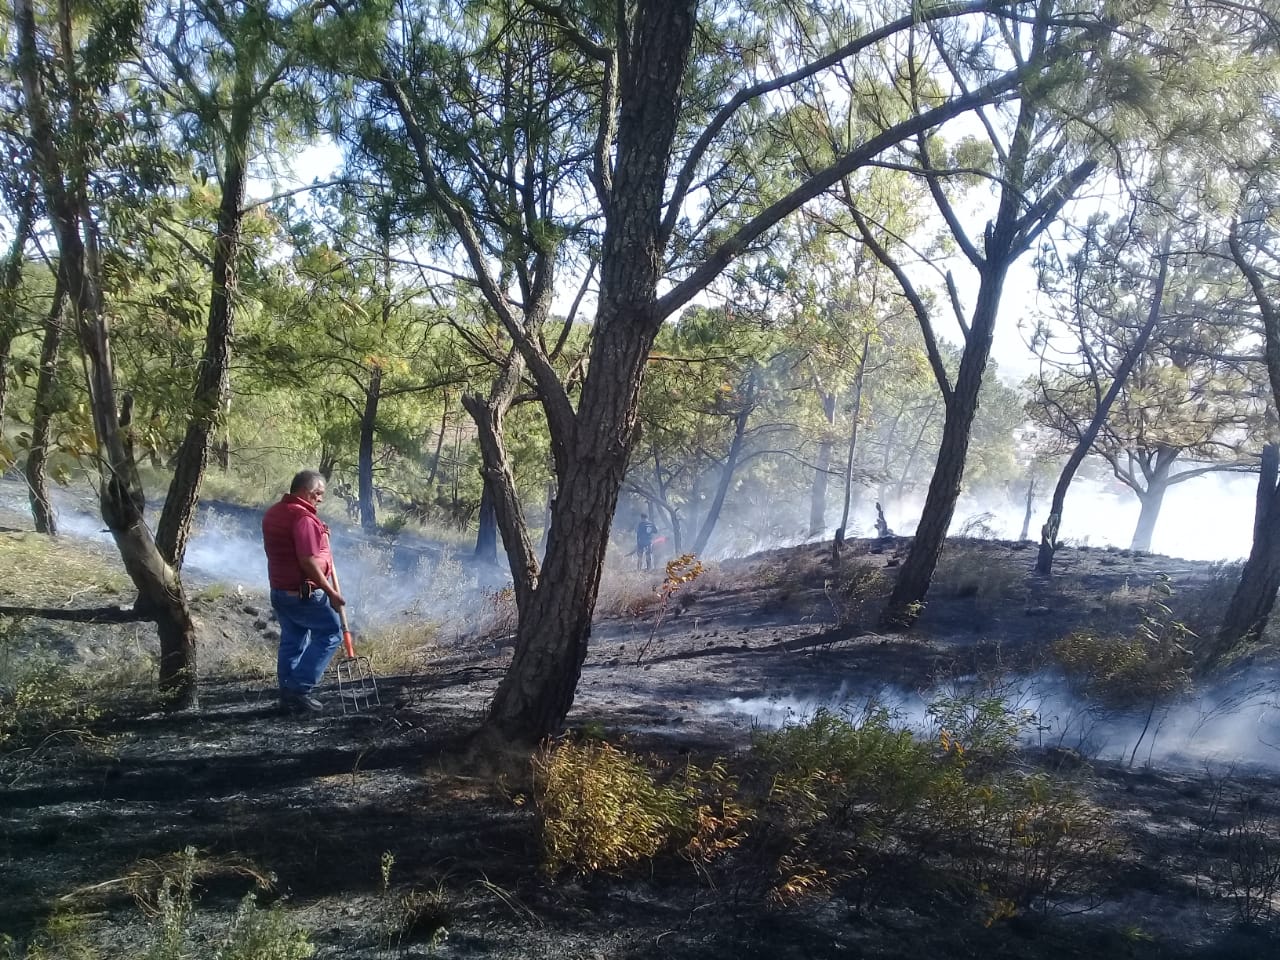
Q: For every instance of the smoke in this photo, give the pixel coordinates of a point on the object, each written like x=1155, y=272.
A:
x=382, y=582
x=1207, y=518
x=1229, y=724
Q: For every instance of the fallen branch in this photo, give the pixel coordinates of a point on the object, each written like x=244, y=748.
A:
x=80, y=615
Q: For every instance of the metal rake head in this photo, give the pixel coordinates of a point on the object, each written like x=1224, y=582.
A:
x=357, y=687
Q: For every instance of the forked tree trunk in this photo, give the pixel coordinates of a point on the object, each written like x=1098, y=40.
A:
x=912, y=586
x=328, y=462
x=1049, y=532
x=212, y=381
x=120, y=492
x=499, y=479
x=592, y=452
x=1255, y=595
x=729, y=467
x=1152, y=499
x=38, y=456
x=821, y=469
x=364, y=473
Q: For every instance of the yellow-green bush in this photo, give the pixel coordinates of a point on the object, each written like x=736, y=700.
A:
x=837, y=769
x=1124, y=671
x=602, y=809
x=1019, y=839
x=46, y=698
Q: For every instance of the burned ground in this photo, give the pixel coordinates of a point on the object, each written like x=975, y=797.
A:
x=309, y=807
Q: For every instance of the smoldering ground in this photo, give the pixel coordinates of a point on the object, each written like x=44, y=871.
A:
x=239, y=779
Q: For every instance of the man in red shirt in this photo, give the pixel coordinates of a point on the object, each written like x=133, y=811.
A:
x=300, y=570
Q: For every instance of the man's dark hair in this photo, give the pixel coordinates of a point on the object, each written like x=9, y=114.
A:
x=304, y=481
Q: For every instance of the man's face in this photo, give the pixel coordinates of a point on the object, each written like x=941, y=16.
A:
x=315, y=495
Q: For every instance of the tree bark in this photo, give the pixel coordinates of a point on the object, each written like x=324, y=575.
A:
x=1049, y=532
x=855, y=415
x=213, y=380
x=499, y=480
x=120, y=492
x=912, y=586
x=444, y=426
x=908, y=468
x=364, y=473
x=821, y=469
x=1152, y=498
x=10, y=281
x=538, y=688
x=1255, y=595
x=487, y=533
x=38, y=455
x=1026, y=517
x=730, y=465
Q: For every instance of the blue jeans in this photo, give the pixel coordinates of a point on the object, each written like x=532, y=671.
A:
x=310, y=632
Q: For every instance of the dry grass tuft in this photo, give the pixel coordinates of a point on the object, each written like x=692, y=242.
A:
x=42, y=571
x=968, y=571
x=400, y=648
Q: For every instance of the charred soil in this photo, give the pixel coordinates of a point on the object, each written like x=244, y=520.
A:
x=343, y=820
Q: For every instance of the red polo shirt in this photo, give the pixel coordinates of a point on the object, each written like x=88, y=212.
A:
x=291, y=532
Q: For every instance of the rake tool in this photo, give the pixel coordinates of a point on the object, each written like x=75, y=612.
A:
x=356, y=684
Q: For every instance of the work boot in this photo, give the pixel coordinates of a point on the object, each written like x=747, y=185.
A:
x=295, y=701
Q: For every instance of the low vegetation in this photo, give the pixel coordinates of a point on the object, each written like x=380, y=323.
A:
x=167, y=899
x=821, y=801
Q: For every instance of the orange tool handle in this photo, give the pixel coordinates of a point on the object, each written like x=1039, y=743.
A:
x=347, y=646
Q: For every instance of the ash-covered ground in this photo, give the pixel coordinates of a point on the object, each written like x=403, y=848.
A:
x=316, y=804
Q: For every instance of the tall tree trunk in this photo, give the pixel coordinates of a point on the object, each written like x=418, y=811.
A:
x=855, y=415
x=10, y=281
x=364, y=473
x=676, y=524
x=38, y=456
x=120, y=490
x=1049, y=532
x=908, y=468
x=1026, y=517
x=821, y=469
x=1255, y=595
x=538, y=688
x=730, y=465
x=1152, y=499
x=444, y=426
x=212, y=381
x=499, y=480
x=912, y=586
x=487, y=533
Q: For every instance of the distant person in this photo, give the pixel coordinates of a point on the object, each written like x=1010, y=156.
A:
x=300, y=571
x=882, y=525
x=644, y=543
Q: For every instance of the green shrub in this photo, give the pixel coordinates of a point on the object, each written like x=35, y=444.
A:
x=65, y=937
x=853, y=591
x=602, y=809
x=257, y=934
x=46, y=698
x=981, y=724
x=1019, y=840
x=845, y=771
